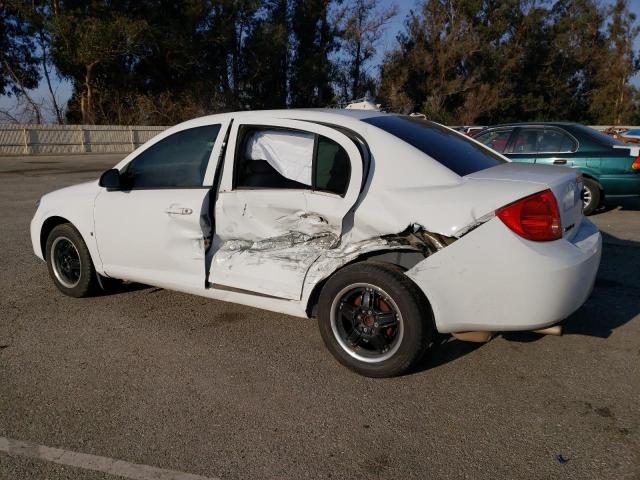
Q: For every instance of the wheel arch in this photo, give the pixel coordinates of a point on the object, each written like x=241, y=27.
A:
x=47, y=226
x=52, y=222
x=591, y=175
x=404, y=259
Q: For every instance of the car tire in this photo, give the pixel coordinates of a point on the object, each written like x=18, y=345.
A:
x=371, y=344
x=592, y=196
x=69, y=262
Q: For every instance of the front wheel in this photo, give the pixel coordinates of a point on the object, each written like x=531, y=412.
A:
x=591, y=196
x=69, y=262
x=374, y=319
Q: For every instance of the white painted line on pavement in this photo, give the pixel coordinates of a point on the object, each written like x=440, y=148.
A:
x=111, y=466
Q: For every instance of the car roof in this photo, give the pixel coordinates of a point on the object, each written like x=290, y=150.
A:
x=350, y=119
x=536, y=124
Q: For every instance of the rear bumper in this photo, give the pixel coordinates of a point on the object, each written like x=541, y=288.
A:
x=492, y=279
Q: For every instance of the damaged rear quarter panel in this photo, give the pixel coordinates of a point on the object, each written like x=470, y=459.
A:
x=474, y=285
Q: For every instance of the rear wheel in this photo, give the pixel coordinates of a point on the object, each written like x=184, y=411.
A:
x=591, y=196
x=69, y=262
x=374, y=320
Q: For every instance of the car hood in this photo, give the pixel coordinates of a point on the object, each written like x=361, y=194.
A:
x=76, y=192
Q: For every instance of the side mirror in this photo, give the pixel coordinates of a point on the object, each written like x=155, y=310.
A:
x=111, y=179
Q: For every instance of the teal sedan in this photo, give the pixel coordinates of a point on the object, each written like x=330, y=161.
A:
x=608, y=167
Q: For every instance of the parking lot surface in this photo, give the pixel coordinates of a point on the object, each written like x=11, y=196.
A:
x=187, y=384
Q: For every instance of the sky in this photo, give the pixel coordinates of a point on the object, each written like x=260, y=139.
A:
x=63, y=88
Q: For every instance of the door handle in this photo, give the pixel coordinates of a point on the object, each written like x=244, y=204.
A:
x=559, y=161
x=178, y=211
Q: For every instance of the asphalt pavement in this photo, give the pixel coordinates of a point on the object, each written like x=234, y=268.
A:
x=182, y=383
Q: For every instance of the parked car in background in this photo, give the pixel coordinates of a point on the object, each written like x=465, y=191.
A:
x=388, y=228
x=609, y=167
x=630, y=136
x=470, y=130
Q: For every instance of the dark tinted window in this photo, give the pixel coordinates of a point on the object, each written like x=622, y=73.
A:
x=526, y=140
x=453, y=150
x=495, y=139
x=177, y=161
x=332, y=167
x=553, y=140
x=598, y=137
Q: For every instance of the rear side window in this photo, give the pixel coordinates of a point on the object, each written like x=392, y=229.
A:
x=453, y=150
x=542, y=140
x=332, y=167
x=291, y=159
x=527, y=140
x=178, y=161
x=552, y=141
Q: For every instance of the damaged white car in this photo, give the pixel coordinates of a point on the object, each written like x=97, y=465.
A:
x=387, y=228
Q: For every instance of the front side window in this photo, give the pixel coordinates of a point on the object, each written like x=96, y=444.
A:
x=495, y=139
x=178, y=161
x=290, y=159
x=455, y=151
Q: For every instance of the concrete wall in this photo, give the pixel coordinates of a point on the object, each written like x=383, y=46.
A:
x=65, y=139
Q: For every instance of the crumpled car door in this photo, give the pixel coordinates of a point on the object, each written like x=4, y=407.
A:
x=266, y=238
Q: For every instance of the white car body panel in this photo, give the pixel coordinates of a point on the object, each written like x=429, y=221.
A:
x=143, y=234
x=494, y=280
x=272, y=248
x=172, y=246
x=266, y=239
x=74, y=204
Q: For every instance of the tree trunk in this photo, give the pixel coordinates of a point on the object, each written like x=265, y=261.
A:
x=45, y=69
x=355, y=87
x=86, y=98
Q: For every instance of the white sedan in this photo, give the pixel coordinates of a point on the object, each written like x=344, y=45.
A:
x=387, y=228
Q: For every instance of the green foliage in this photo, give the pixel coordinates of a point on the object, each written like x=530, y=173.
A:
x=472, y=61
x=18, y=64
x=314, y=40
x=457, y=61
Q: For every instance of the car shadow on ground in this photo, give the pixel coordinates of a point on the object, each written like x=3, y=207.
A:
x=613, y=303
x=623, y=203
x=115, y=287
x=614, y=300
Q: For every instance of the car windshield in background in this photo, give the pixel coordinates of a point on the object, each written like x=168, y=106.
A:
x=453, y=150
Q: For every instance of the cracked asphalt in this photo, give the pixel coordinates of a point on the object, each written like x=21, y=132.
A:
x=184, y=383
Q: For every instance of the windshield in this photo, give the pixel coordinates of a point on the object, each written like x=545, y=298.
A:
x=453, y=150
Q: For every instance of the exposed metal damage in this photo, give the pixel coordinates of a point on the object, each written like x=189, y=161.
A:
x=312, y=252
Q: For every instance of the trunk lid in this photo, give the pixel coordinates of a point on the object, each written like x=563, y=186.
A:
x=565, y=183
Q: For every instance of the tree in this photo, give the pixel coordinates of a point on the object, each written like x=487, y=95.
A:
x=89, y=39
x=266, y=54
x=362, y=26
x=613, y=99
x=429, y=72
x=18, y=64
x=314, y=41
x=470, y=61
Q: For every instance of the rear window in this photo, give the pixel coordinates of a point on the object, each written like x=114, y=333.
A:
x=599, y=137
x=453, y=150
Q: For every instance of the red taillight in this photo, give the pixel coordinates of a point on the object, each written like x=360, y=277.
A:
x=535, y=217
x=636, y=163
